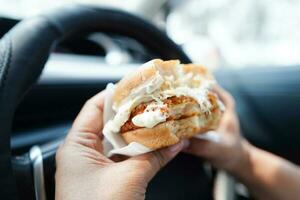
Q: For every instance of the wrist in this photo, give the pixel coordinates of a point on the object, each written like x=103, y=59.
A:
x=242, y=169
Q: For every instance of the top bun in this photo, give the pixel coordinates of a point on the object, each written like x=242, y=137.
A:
x=148, y=71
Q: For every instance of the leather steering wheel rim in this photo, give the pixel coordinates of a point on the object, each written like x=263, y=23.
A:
x=25, y=49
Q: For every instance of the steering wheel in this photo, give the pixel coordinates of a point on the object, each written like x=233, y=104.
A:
x=24, y=51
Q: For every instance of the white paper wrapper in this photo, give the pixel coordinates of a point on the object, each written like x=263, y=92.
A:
x=210, y=135
x=114, y=143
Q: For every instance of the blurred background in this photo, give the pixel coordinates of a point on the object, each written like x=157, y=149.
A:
x=251, y=45
x=217, y=33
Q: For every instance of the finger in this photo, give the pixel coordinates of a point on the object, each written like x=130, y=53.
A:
x=225, y=97
x=86, y=129
x=202, y=148
x=152, y=162
x=229, y=117
x=90, y=117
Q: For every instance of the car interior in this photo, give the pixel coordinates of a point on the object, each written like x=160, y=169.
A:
x=50, y=64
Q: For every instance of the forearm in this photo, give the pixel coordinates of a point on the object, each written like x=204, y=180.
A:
x=268, y=176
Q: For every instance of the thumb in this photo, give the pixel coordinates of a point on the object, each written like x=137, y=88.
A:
x=151, y=163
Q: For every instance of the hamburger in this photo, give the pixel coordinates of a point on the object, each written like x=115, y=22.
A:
x=163, y=102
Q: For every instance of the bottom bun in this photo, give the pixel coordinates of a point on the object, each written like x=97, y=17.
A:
x=171, y=132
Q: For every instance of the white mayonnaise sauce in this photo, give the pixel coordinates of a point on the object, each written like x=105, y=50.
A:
x=151, y=116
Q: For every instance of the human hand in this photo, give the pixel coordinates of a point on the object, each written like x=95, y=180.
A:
x=83, y=172
x=230, y=153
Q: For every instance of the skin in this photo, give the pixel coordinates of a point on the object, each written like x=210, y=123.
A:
x=267, y=176
x=83, y=172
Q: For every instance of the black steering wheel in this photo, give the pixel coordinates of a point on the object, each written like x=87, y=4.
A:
x=24, y=51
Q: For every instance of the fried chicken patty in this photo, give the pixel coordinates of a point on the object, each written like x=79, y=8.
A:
x=176, y=108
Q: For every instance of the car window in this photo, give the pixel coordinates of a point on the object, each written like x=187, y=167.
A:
x=238, y=33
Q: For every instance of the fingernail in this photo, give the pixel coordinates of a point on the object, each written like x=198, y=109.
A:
x=186, y=143
x=177, y=147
